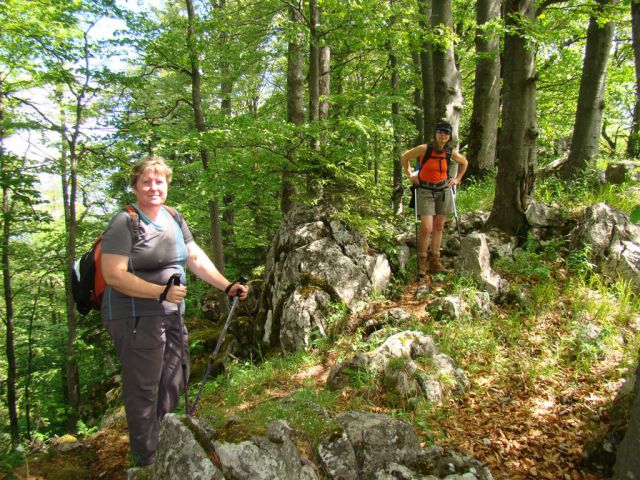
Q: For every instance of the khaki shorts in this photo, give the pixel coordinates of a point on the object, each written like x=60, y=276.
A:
x=431, y=202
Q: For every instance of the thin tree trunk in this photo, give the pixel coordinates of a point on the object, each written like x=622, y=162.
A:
x=483, y=134
x=418, y=119
x=314, y=187
x=218, y=255
x=69, y=176
x=588, y=121
x=295, y=106
x=426, y=69
x=7, y=290
x=633, y=146
x=396, y=195
x=226, y=87
x=517, y=144
x=205, y=153
x=314, y=67
x=27, y=384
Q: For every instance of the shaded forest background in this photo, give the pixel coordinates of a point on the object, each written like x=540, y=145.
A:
x=260, y=106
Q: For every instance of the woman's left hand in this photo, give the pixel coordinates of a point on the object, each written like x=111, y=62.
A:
x=237, y=289
x=454, y=181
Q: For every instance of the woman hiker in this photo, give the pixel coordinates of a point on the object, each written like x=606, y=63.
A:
x=433, y=197
x=142, y=314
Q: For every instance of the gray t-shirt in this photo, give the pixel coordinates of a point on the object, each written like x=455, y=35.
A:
x=159, y=251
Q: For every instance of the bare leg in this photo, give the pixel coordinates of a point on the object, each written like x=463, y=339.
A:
x=436, y=240
x=436, y=234
x=426, y=229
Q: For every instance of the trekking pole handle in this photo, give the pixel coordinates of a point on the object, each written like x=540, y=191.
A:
x=173, y=280
x=241, y=280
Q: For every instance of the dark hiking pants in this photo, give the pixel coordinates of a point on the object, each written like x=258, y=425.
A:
x=151, y=357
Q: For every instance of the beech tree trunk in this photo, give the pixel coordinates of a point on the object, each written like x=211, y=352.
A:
x=517, y=144
x=446, y=77
x=483, y=134
x=588, y=122
x=633, y=146
x=426, y=69
x=295, y=105
x=325, y=81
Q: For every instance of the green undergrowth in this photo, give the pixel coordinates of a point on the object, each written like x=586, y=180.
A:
x=560, y=321
x=560, y=325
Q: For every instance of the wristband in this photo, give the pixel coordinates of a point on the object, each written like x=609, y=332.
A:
x=228, y=289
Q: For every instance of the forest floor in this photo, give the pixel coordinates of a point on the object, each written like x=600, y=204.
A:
x=519, y=429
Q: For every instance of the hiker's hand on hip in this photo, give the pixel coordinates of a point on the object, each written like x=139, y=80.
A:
x=176, y=294
x=414, y=178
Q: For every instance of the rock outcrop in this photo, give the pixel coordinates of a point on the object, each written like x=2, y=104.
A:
x=360, y=445
x=612, y=241
x=407, y=363
x=315, y=260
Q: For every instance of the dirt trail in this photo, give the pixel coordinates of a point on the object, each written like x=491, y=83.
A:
x=521, y=431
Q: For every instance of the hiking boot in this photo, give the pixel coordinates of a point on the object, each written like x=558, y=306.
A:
x=435, y=266
x=422, y=265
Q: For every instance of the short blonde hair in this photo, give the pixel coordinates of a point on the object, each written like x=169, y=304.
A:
x=151, y=163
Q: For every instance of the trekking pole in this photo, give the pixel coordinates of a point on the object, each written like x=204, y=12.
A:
x=455, y=212
x=415, y=222
x=241, y=281
x=175, y=280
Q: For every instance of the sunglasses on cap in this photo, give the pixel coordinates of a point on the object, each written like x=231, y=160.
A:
x=446, y=132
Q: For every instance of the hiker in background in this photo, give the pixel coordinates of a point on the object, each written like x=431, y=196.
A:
x=142, y=314
x=433, y=197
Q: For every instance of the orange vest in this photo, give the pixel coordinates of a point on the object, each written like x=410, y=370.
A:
x=434, y=168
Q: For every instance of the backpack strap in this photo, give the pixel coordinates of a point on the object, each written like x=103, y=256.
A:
x=135, y=220
x=421, y=161
x=174, y=213
x=427, y=155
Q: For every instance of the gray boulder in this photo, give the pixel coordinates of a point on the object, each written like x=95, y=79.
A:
x=373, y=446
x=613, y=240
x=265, y=458
x=475, y=259
x=461, y=306
x=407, y=363
x=315, y=260
x=180, y=455
x=361, y=446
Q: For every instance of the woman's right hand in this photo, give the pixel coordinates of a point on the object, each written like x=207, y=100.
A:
x=176, y=294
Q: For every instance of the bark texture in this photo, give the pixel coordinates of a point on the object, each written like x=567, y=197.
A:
x=446, y=77
x=295, y=105
x=588, y=122
x=633, y=146
x=517, y=143
x=426, y=64
x=483, y=134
